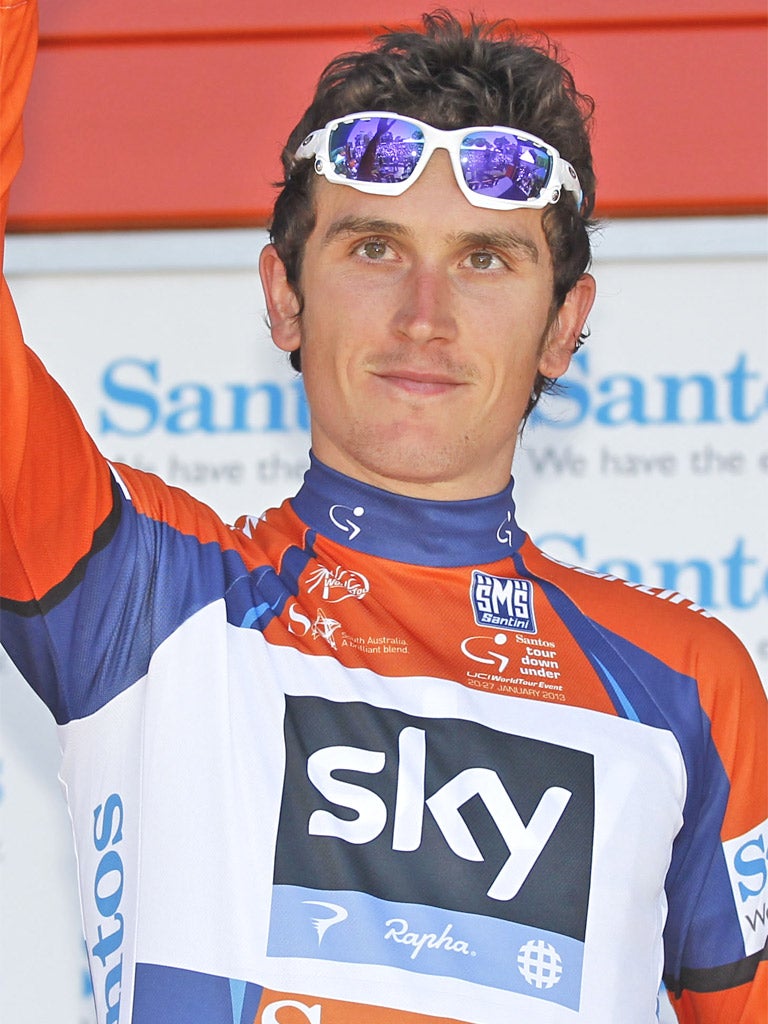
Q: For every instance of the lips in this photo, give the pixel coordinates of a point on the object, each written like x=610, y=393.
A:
x=418, y=382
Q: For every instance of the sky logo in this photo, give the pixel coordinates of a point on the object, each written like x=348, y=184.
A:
x=441, y=847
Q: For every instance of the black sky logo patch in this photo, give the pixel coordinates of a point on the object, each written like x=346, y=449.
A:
x=437, y=812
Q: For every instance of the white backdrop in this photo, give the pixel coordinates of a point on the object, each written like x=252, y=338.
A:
x=652, y=464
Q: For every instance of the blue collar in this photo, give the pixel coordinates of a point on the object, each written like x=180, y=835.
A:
x=412, y=530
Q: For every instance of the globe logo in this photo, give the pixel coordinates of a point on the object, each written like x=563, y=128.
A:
x=540, y=964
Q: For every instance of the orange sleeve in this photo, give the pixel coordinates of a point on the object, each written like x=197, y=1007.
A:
x=55, y=488
x=18, y=44
x=746, y=1004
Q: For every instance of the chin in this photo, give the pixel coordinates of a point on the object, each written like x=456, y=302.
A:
x=420, y=464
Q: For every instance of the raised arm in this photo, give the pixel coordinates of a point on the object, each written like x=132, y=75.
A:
x=55, y=489
x=93, y=558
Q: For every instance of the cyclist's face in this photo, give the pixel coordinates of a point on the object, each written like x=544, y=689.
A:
x=425, y=321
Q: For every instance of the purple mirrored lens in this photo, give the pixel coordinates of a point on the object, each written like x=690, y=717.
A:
x=504, y=166
x=382, y=149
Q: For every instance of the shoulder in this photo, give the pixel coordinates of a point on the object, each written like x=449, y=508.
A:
x=665, y=623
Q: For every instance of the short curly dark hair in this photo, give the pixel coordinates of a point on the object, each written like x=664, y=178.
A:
x=453, y=77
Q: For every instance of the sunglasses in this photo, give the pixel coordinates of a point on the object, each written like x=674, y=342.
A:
x=384, y=154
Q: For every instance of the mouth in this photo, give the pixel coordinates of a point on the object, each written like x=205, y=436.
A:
x=416, y=382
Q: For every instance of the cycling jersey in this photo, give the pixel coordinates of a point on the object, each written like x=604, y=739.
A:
x=373, y=758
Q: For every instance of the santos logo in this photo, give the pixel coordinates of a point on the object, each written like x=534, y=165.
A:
x=737, y=395
x=747, y=859
x=137, y=403
x=436, y=812
x=107, y=893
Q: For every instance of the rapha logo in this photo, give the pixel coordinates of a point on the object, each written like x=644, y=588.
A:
x=479, y=649
x=398, y=930
x=338, y=584
x=504, y=602
x=343, y=518
x=321, y=924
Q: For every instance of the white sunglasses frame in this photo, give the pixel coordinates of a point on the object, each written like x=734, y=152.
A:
x=563, y=176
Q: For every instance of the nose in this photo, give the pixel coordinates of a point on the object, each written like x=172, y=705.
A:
x=425, y=311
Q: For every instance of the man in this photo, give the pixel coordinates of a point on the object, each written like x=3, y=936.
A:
x=290, y=807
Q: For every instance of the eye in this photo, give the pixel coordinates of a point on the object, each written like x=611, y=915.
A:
x=484, y=260
x=373, y=249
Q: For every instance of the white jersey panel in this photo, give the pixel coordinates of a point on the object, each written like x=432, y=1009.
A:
x=226, y=732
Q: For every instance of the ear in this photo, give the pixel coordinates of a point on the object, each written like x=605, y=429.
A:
x=568, y=324
x=282, y=301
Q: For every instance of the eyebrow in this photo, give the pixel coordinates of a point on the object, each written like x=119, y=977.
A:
x=364, y=226
x=507, y=240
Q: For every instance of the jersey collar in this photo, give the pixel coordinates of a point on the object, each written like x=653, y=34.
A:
x=413, y=530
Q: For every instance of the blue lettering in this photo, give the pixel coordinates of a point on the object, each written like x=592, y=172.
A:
x=108, y=886
x=673, y=394
x=735, y=564
x=110, y=943
x=241, y=393
x=739, y=395
x=109, y=864
x=112, y=805
x=193, y=407
x=114, y=980
x=749, y=866
x=132, y=397
x=737, y=378
x=197, y=415
x=626, y=407
x=736, y=580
